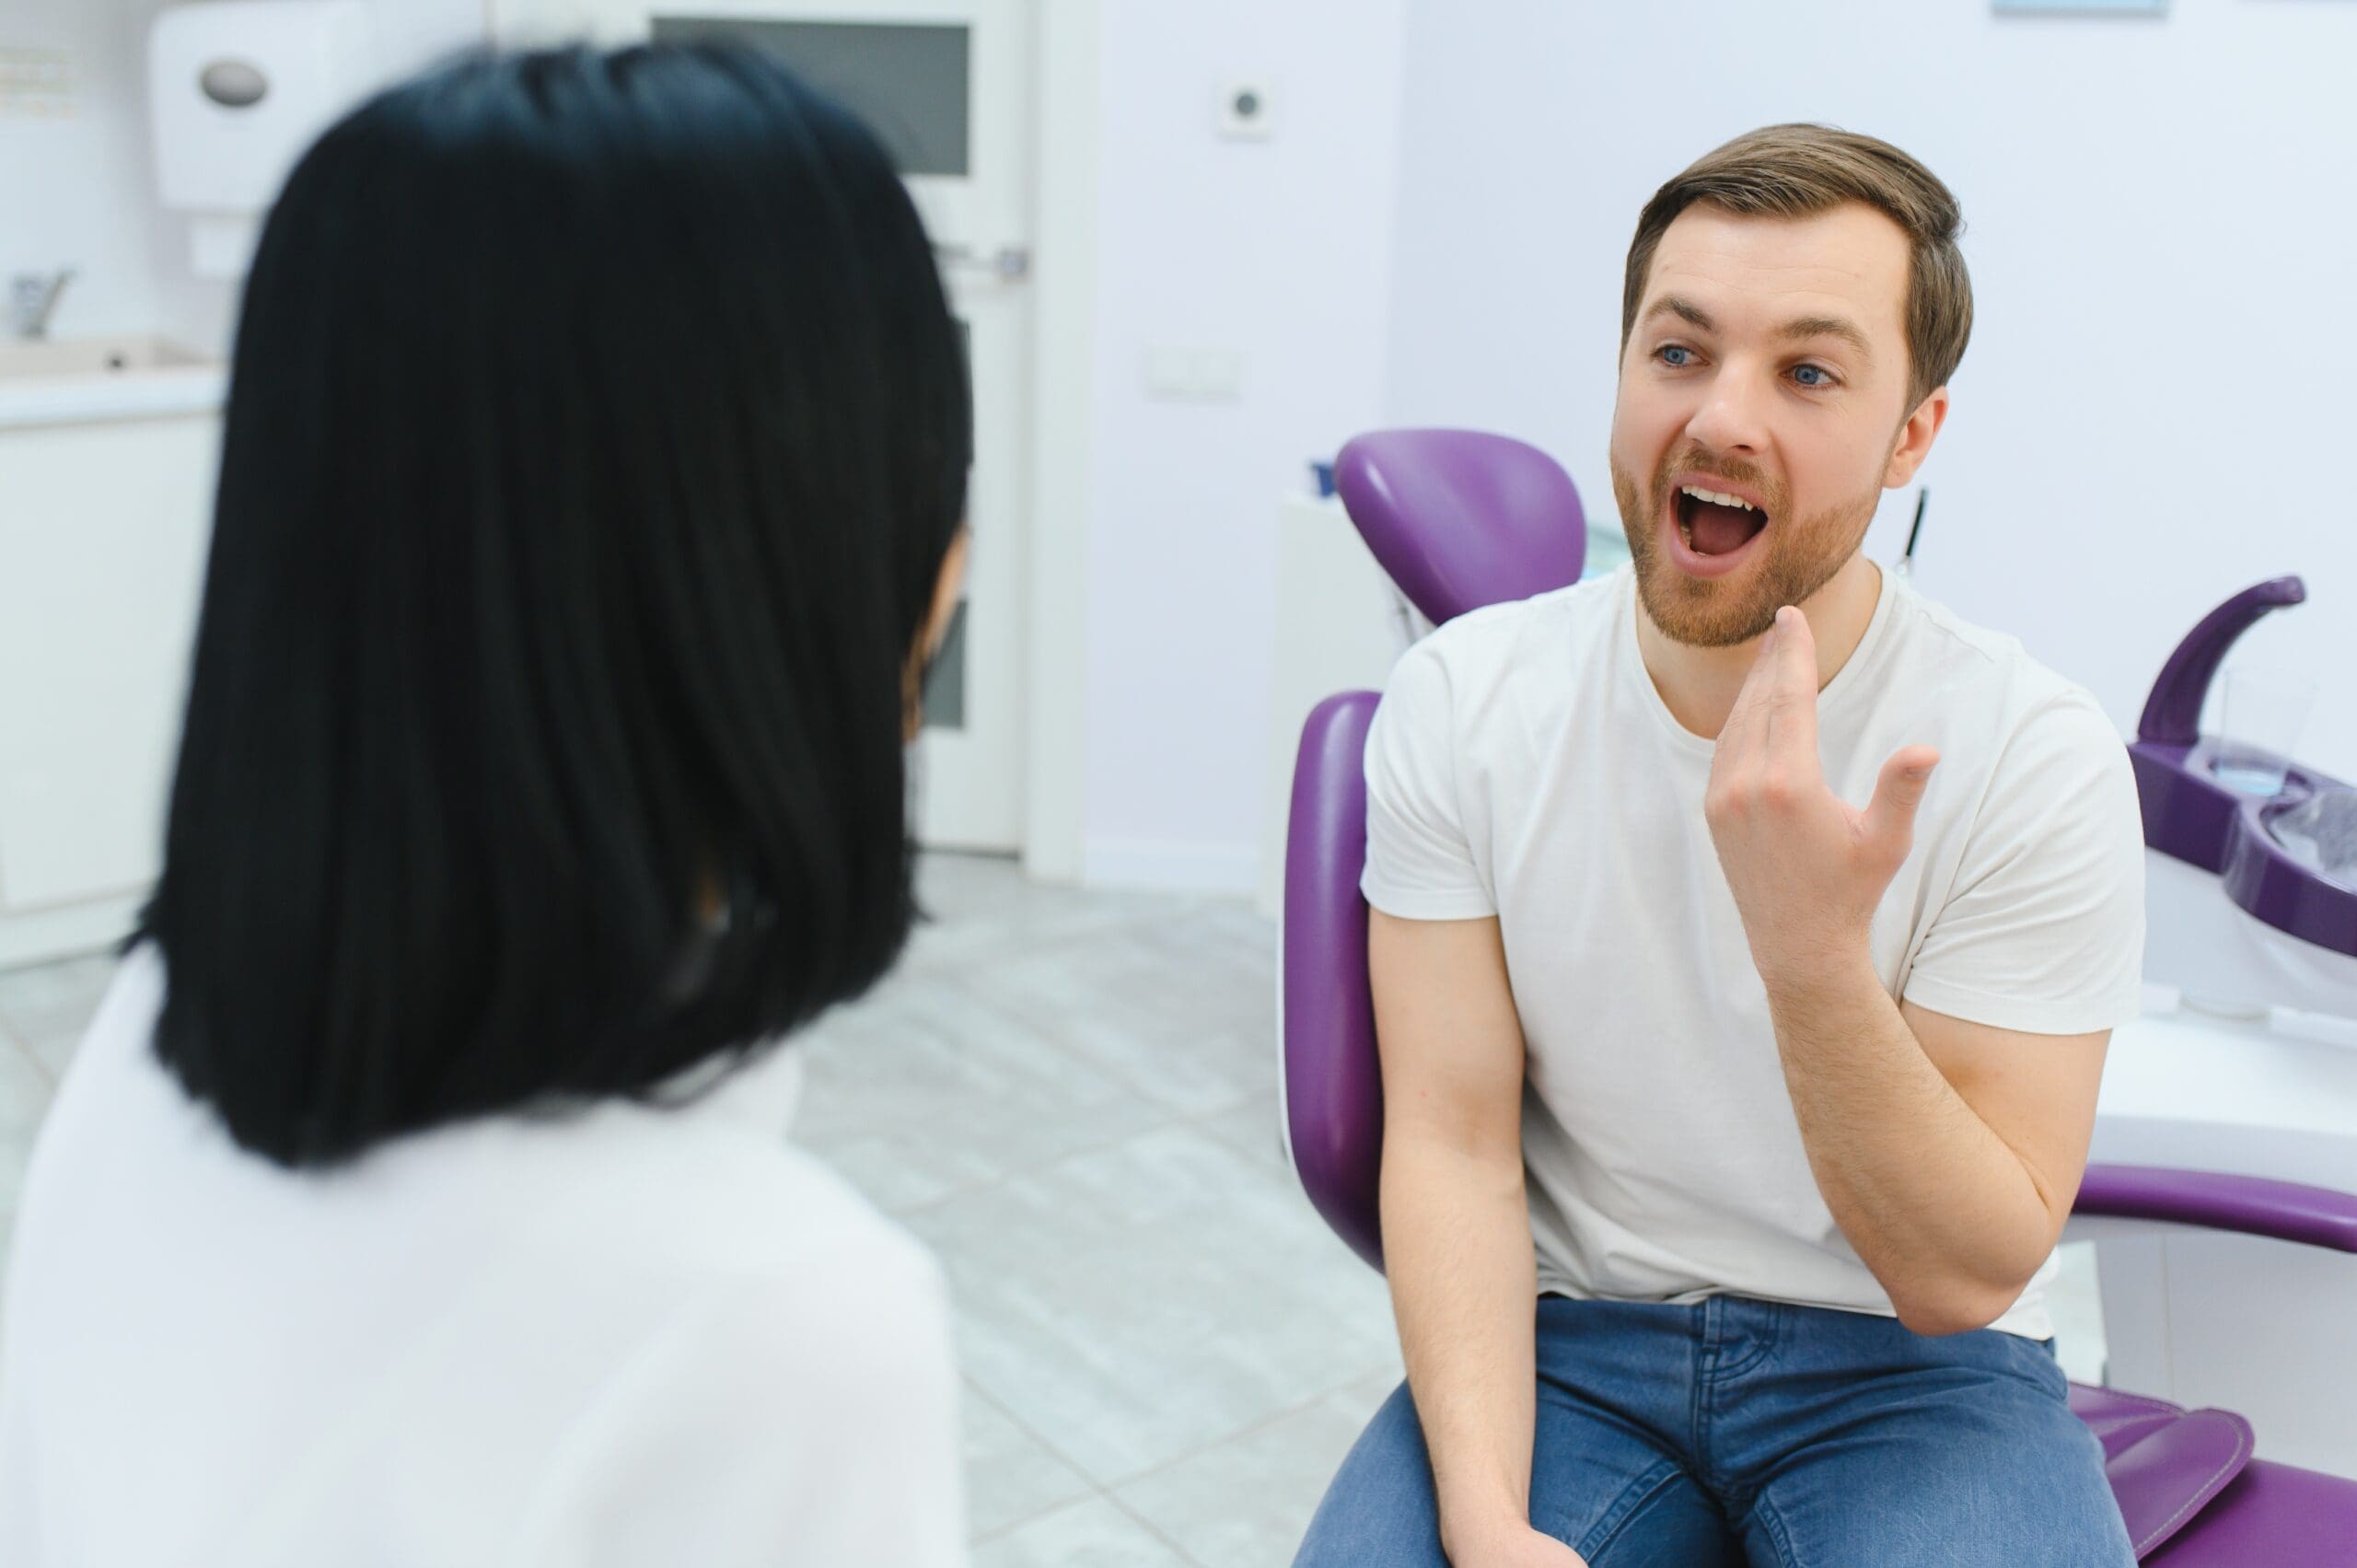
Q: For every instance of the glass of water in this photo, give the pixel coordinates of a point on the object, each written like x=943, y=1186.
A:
x=2261, y=713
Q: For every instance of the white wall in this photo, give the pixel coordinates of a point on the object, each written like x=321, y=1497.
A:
x=80, y=192
x=74, y=189
x=1278, y=249
x=2156, y=403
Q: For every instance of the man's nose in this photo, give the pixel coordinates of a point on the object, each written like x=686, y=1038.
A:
x=1733, y=417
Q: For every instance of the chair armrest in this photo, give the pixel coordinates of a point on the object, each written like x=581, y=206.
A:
x=2254, y=1205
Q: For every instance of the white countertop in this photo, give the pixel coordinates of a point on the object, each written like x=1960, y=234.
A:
x=76, y=381
x=2275, y=1099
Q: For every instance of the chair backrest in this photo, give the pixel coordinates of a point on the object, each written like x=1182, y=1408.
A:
x=1459, y=518
x=1462, y=518
x=1333, y=1084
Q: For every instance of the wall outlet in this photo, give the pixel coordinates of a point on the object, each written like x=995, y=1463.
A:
x=1245, y=109
x=38, y=84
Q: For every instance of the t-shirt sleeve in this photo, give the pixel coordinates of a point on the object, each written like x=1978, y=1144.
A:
x=2043, y=929
x=1419, y=863
x=776, y=1421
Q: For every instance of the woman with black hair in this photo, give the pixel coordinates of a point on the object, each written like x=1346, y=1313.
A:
x=590, y=501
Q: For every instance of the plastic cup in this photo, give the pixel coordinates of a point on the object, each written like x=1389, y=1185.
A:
x=2260, y=714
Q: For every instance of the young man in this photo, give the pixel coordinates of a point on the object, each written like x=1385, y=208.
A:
x=1773, y=1103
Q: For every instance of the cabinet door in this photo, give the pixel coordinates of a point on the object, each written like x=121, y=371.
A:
x=102, y=537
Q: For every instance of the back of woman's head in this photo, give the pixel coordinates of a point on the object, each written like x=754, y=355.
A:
x=597, y=433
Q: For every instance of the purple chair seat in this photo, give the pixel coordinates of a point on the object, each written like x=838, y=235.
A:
x=2255, y=1512
x=2187, y=1486
x=2270, y=1516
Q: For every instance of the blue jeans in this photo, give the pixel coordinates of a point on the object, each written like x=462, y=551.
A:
x=1735, y=1431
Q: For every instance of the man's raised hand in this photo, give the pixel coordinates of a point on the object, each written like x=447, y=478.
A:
x=1807, y=868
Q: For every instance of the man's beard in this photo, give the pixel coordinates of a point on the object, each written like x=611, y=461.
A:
x=1720, y=612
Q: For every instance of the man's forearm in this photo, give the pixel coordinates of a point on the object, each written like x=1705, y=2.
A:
x=1456, y=1248
x=1950, y=1220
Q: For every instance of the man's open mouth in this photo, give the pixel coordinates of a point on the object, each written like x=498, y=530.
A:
x=1714, y=522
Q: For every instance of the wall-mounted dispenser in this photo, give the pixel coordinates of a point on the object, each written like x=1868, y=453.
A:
x=238, y=88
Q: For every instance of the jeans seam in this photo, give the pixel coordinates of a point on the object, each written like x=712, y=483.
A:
x=1698, y=1409
x=1771, y=1525
x=1648, y=1484
x=1770, y=1337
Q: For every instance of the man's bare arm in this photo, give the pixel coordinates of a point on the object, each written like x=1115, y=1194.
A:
x=1949, y=1151
x=1456, y=1224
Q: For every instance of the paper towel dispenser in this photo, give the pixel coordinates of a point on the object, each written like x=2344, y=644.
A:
x=238, y=88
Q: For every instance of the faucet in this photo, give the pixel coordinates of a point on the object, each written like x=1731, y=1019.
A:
x=33, y=298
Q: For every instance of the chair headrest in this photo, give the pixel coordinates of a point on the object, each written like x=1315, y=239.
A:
x=1462, y=518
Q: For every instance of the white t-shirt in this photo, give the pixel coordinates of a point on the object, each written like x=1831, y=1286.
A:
x=628, y=1336
x=1523, y=765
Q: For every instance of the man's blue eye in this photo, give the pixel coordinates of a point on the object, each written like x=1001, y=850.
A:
x=1670, y=349
x=1824, y=377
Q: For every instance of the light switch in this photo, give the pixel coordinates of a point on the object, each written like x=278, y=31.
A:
x=1219, y=374
x=1194, y=374
x=1170, y=372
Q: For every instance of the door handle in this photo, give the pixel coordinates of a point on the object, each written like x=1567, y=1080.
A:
x=1008, y=263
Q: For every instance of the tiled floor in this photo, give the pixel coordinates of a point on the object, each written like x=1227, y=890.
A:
x=1070, y=1096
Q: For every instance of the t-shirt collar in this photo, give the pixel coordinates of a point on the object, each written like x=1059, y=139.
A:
x=1832, y=702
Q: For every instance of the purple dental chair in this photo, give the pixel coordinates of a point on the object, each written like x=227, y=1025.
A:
x=1463, y=519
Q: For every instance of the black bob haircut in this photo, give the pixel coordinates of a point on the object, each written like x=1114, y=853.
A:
x=598, y=430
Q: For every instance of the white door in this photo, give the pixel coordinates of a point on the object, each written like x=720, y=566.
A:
x=948, y=86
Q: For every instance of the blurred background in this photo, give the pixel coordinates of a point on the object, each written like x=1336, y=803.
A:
x=1196, y=247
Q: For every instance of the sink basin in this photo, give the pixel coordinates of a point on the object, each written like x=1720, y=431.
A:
x=70, y=379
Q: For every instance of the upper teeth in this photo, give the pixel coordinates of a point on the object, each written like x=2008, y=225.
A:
x=1716, y=498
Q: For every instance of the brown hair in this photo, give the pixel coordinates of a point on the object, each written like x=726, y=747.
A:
x=1795, y=170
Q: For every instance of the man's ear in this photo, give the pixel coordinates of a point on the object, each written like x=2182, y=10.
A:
x=1915, y=439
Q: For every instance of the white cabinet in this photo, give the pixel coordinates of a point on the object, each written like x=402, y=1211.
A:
x=1340, y=625
x=103, y=530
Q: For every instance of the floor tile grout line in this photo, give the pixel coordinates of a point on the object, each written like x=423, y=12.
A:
x=1033, y=1030
x=1271, y=1127
x=1028, y=1430
x=1106, y=1488
x=1237, y=1434
x=1054, y=1452
x=1174, y=1121
x=1151, y=1528
x=1074, y=1056
x=9, y=1033
x=1008, y=1178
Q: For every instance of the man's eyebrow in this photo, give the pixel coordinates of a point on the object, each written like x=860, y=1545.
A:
x=1827, y=327
x=1685, y=311
x=1799, y=327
